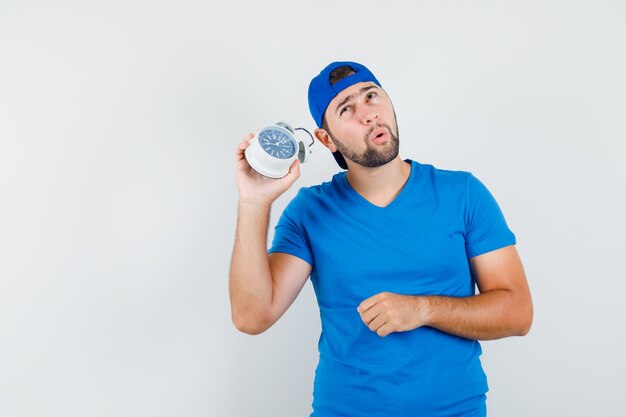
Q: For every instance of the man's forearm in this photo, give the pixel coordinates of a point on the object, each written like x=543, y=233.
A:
x=491, y=315
x=250, y=276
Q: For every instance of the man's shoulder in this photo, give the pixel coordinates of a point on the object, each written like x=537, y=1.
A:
x=312, y=196
x=322, y=190
x=438, y=175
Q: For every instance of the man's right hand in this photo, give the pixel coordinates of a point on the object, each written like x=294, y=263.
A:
x=254, y=187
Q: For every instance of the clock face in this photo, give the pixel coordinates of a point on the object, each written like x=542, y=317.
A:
x=277, y=143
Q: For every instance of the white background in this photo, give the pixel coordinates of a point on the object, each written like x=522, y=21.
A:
x=118, y=124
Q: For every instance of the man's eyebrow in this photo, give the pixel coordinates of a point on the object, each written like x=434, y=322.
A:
x=351, y=96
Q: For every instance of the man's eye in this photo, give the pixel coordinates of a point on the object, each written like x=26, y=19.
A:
x=370, y=95
x=342, y=110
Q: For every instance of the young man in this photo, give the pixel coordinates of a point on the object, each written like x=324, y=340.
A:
x=394, y=249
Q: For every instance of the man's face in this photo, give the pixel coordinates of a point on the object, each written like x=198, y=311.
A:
x=362, y=124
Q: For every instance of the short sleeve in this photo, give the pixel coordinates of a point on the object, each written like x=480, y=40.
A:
x=485, y=226
x=289, y=234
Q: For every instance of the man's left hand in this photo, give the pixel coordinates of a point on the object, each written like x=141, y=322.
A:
x=387, y=312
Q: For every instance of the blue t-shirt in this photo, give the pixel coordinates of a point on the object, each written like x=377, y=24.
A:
x=419, y=244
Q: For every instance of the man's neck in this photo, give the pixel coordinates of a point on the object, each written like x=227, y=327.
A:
x=380, y=185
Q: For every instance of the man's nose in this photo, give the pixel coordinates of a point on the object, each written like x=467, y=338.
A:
x=370, y=117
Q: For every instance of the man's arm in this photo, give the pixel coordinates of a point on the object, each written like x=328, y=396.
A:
x=261, y=287
x=503, y=307
x=250, y=281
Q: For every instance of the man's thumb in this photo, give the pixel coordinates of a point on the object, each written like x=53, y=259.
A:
x=294, y=170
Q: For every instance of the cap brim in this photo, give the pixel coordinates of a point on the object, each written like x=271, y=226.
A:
x=340, y=160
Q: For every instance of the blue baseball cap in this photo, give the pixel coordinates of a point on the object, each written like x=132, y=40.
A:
x=322, y=92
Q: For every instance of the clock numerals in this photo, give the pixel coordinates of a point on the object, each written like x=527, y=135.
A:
x=277, y=144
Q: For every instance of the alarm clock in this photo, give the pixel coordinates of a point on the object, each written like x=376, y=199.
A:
x=273, y=149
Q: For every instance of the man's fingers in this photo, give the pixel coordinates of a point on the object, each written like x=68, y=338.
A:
x=384, y=330
x=294, y=172
x=295, y=167
x=366, y=305
x=368, y=319
x=370, y=315
x=239, y=151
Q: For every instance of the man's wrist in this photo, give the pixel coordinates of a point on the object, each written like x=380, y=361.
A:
x=254, y=204
x=423, y=310
x=428, y=310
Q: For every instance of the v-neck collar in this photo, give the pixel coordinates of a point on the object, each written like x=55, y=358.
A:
x=359, y=199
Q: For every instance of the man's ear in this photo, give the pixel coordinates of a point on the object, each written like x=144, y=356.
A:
x=324, y=137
